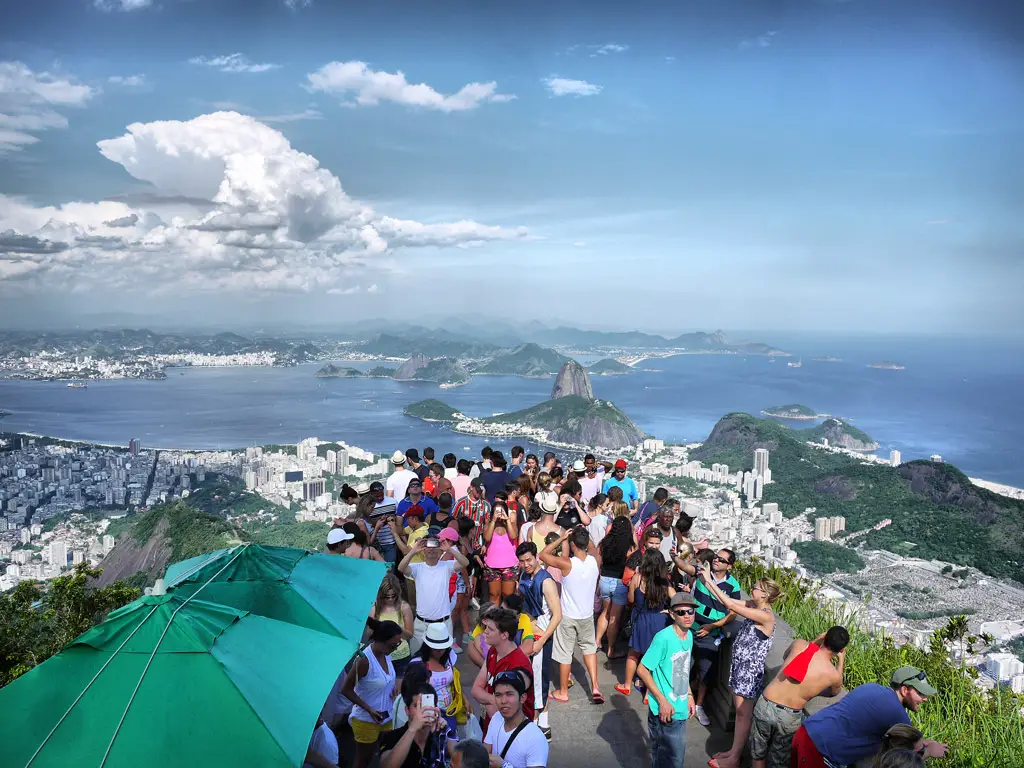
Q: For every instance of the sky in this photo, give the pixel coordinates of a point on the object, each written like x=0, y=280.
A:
x=825, y=165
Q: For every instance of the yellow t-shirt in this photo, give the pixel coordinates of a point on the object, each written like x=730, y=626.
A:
x=525, y=628
x=412, y=537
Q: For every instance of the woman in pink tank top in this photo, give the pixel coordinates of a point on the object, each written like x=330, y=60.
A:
x=501, y=566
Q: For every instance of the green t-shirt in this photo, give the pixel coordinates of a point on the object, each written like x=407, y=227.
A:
x=668, y=659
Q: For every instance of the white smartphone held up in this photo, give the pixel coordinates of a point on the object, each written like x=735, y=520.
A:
x=427, y=700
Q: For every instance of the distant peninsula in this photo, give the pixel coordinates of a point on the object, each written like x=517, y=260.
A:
x=527, y=360
x=567, y=419
x=840, y=434
x=792, y=411
x=610, y=367
x=887, y=365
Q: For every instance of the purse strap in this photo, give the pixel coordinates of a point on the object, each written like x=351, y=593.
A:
x=512, y=738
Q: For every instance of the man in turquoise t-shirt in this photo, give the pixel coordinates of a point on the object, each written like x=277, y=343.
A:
x=665, y=670
x=630, y=495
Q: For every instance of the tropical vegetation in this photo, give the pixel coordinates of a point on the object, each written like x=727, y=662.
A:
x=824, y=557
x=983, y=729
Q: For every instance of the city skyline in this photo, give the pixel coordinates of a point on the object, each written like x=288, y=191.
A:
x=851, y=163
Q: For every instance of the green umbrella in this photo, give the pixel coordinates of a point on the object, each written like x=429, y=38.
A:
x=327, y=593
x=173, y=681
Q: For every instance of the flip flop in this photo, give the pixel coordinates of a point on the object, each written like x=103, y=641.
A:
x=555, y=696
x=623, y=689
x=713, y=763
x=596, y=697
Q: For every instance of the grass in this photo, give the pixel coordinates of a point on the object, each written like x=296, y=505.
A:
x=983, y=729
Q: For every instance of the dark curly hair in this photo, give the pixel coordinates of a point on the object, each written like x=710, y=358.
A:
x=616, y=545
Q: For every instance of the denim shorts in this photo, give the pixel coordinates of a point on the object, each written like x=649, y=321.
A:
x=613, y=589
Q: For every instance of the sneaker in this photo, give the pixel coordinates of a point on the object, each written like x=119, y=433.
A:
x=702, y=717
x=456, y=648
x=547, y=733
x=467, y=638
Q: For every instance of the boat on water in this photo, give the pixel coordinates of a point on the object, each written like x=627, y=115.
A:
x=798, y=364
x=77, y=385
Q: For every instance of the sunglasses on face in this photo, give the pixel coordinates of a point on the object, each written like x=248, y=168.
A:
x=721, y=560
x=684, y=611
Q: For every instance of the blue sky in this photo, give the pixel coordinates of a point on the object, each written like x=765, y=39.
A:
x=809, y=164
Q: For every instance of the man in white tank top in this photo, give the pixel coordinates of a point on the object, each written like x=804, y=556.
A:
x=579, y=584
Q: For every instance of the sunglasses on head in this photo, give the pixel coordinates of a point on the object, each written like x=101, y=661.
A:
x=683, y=611
x=918, y=676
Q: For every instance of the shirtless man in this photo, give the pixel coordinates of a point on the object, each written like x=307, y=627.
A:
x=778, y=713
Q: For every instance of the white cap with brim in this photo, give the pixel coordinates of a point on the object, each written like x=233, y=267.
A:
x=338, y=535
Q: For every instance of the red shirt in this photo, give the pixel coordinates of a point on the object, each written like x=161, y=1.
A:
x=515, y=660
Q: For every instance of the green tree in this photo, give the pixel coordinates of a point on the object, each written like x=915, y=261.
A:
x=38, y=620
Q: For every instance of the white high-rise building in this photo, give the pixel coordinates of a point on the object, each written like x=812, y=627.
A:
x=760, y=461
x=108, y=543
x=1003, y=666
x=58, y=554
x=895, y=458
x=936, y=458
x=822, y=529
x=836, y=524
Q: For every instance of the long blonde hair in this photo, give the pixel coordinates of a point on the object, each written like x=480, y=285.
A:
x=620, y=509
x=389, y=583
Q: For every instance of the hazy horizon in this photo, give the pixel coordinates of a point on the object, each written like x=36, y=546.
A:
x=846, y=166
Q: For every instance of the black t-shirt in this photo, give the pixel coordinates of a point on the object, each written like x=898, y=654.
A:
x=568, y=518
x=438, y=520
x=434, y=755
x=422, y=472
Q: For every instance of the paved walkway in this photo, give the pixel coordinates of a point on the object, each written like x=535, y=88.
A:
x=614, y=733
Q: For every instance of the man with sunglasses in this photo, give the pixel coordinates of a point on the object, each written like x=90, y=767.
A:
x=852, y=728
x=665, y=670
x=591, y=475
x=712, y=615
x=630, y=495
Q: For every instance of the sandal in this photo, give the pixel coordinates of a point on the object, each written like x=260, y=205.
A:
x=596, y=697
x=623, y=689
x=554, y=696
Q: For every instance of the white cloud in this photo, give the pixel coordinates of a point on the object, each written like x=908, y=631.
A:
x=122, y=5
x=28, y=100
x=128, y=81
x=761, y=41
x=579, y=244
x=604, y=50
x=670, y=59
x=563, y=86
x=370, y=87
x=292, y=117
x=296, y=4
x=275, y=220
x=233, y=63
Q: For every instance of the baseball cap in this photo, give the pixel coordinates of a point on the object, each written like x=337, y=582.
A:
x=578, y=466
x=338, y=535
x=682, y=598
x=414, y=481
x=477, y=483
x=413, y=455
x=376, y=485
x=448, y=533
x=415, y=511
x=621, y=464
x=398, y=457
x=912, y=677
x=513, y=678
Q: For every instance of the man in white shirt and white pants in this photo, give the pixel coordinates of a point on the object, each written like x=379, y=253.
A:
x=433, y=575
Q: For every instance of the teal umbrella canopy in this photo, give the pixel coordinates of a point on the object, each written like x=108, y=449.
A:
x=173, y=682
x=327, y=593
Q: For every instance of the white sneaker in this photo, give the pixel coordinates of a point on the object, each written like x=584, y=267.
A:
x=702, y=717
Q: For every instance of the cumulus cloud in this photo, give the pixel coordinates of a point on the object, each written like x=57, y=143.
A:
x=28, y=103
x=233, y=63
x=242, y=211
x=122, y=5
x=370, y=87
x=563, y=86
x=128, y=81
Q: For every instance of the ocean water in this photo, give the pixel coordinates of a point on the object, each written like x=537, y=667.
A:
x=959, y=398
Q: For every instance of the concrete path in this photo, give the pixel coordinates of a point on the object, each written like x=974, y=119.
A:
x=615, y=733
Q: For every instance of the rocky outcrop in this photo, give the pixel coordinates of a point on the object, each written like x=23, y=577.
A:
x=408, y=369
x=842, y=435
x=129, y=556
x=573, y=380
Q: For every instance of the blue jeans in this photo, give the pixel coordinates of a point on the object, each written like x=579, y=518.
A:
x=668, y=742
x=388, y=552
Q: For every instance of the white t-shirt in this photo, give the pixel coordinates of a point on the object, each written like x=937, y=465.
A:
x=578, y=588
x=529, y=750
x=591, y=487
x=598, y=528
x=398, y=482
x=432, y=581
x=325, y=744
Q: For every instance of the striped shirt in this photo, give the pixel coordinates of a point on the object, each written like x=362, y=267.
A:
x=477, y=511
x=709, y=608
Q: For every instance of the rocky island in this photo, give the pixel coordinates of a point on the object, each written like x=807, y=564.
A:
x=792, y=411
x=571, y=418
x=531, y=361
x=331, y=371
x=446, y=371
x=887, y=365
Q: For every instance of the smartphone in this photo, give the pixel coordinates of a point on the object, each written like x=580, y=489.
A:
x=426, y=700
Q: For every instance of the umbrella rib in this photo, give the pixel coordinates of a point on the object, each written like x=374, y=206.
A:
x=86, y=689
x=156, y=648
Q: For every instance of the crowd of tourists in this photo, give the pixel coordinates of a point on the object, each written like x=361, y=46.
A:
x=519, y=564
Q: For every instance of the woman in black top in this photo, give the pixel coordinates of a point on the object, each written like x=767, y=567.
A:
x=612, y=554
